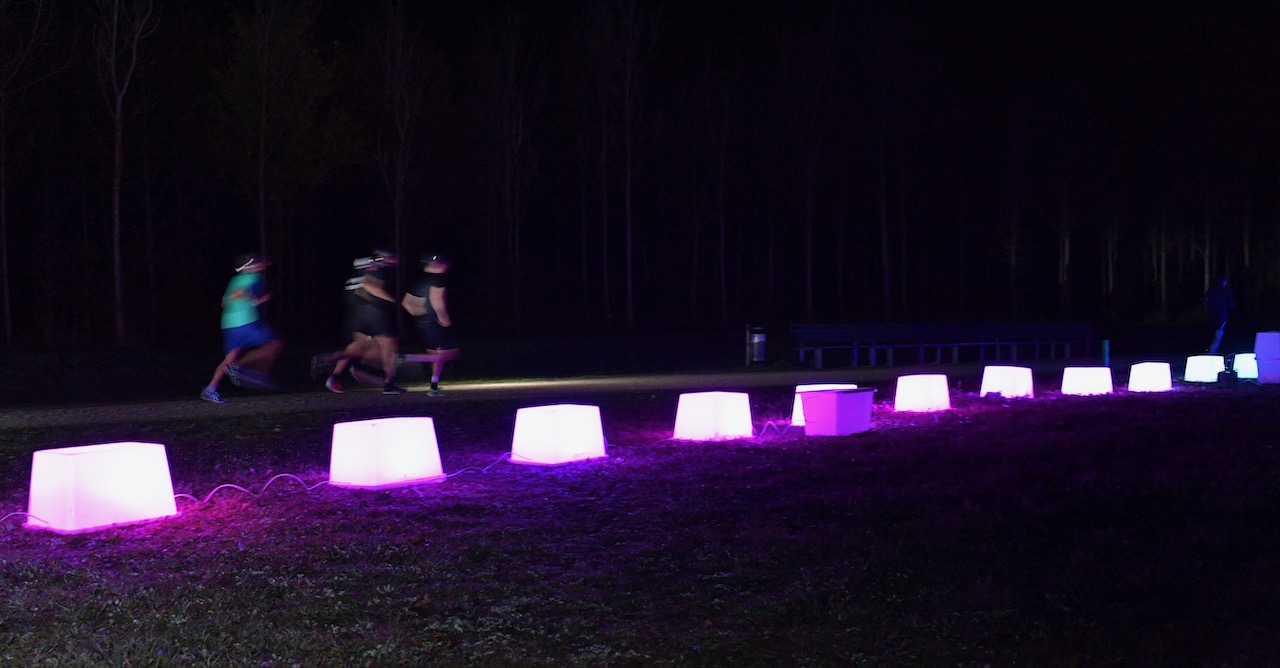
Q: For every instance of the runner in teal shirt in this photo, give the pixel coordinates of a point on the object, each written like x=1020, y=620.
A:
x=250, y=345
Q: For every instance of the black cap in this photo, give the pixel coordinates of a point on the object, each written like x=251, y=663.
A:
x=428, y=258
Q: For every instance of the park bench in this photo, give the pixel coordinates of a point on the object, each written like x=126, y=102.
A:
x=926, y=343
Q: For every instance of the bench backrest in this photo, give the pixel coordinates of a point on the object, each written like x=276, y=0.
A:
x=855, y=333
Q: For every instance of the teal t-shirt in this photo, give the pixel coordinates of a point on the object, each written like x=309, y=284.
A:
x=240, y=309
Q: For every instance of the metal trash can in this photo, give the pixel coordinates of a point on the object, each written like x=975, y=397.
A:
x=755, y=345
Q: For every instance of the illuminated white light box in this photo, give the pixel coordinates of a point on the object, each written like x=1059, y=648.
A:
x=557, y=434
x=922, y=392
x=1010, y=382
x=837, y=412
x=1245, y=365
x=90, y=487
x=1086, y=380
x=385, y=452
x=1204, y=368
x=797, y=406
x=1150, y=377
x=713, y=416
x=1266, y=351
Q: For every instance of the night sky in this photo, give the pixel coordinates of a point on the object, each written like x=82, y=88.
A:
x=614, y=166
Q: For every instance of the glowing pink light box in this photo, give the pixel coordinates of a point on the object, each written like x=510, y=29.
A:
x=91, y=487
x=1086, y=380
x=557, y=434
x=797, y=406
x=713, y=416
x=385, y=452
x=1010, y=382
x=922, y=392
x=1150, y=377
x=838, y=412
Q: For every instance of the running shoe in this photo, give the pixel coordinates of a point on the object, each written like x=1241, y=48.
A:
x=211, y=395
x=333, y=385
x=392, y=388
x=235, y=374
x=435, y=392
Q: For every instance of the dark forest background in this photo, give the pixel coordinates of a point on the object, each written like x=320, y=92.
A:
x=620, y=166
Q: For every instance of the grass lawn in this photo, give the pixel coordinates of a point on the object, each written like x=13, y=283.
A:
x=1062, y=531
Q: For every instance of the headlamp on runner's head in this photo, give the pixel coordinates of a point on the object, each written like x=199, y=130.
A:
x=251, y=263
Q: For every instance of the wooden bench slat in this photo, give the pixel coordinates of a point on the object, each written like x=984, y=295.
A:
x=872, y=338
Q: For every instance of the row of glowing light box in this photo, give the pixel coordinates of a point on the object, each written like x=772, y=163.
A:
x=92, y=487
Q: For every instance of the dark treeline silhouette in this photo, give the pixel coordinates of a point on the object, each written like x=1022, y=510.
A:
x=617, y=165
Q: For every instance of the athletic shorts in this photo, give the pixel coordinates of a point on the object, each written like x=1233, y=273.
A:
x=370, y=318
x=434, y=335
x=245, y=337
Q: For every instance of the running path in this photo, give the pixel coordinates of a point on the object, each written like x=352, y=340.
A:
x=359, y=398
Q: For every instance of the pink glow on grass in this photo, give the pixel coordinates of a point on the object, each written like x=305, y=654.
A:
x=91, y=487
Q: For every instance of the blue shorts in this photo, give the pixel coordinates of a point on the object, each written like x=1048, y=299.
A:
x=252, y=335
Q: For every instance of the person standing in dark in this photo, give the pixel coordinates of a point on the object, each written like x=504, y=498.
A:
x=250, y=345
x=1218, y=302
x=427, y=302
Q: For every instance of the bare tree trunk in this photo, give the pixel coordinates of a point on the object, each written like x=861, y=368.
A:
x=1112, y=251
x=1245, y=241
x=149, y=222
x=1164, y=268
x=510, y=75
x=696, y=234
x=903, y=248
x=117, y=271
x=841, y=300
x=1064, y=265
x=1207, y=253
x=20, y=44
x=721, y=224
x=1064, y=262
x=122, y=24
x=606, y=301
x=4, y=222
x=1011, y=257
x=810, y=192
x=770, y=296
x=886, y=265
x=628, y=215
x=403, y=90
x=582, y=242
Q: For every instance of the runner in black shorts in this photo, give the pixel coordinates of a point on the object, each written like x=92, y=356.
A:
x=426, y=301
x=370, y=321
